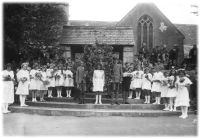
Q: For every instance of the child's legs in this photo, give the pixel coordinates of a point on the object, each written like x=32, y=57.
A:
x=158, y=97
x=69, y=91
x=100, y=99
x=130, y=93
x=50, y=91
x=20, y=99
x=182, y=110
x=58, y=91
x=185, y=110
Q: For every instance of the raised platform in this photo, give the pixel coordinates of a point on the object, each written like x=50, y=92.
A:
x=69, y=107
x=92, y=112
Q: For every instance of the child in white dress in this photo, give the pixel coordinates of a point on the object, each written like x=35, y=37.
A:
x=45, y=82
x=164, y=91
x=182, y=98
x=34, y=82
x=23, y=78
x=51, y=78
x=8, y=88
x=156, y=85
x=137, y=81
x=59, y=80
x=69, y=82
x=98, y=83
x=146, y=85
x=172, y=91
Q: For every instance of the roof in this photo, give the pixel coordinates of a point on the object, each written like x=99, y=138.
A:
x=152, y=7
x=92, y=23
x=91, y=34
x=190, y=33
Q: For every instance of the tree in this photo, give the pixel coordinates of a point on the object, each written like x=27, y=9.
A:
x=30, y=29
x=99, y=54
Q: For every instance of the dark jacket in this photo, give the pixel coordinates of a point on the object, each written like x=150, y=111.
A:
x=117, y=73
x=81, y=75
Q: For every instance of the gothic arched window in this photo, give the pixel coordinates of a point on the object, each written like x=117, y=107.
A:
x=145, y=32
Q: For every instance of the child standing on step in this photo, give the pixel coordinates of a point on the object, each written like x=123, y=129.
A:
x=45, y=82
x=172, y=91
x=51, y=78
x=23, y=78
x=146, y=85
x=182, y=98
x=8, y=88
x=98, y=83
x=156, y=85
x=164, y=91
x=59, y=80
x=69, y=83
x=34, y=82
x=137, y=82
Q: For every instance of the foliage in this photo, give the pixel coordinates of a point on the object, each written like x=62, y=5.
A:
x=99, y=54
x=31, y=28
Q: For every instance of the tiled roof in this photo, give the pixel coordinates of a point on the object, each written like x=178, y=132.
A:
x=92, y=23
x=190, y=33
x=91, y=34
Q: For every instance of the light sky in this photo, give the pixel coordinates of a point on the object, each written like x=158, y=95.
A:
x=178, y=11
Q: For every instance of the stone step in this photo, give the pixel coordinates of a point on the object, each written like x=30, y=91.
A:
x=92, y=100
x=92, y=112
x=96, y=106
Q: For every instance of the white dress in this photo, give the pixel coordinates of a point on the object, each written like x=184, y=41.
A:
x=136, y=79
x=50, y=77
x=98, y=80
x=44, y=78
x=8, y=88
x=182, y=98
x=156, y=86
x=146, y=84
x=164, y=87
x=23, y=88
x=34, y=82
x=172, y=92
x=60, y=81
x=69, y=82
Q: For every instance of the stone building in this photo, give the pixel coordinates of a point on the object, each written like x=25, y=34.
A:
x=144, y=24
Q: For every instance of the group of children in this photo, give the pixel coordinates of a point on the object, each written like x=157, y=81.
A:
x=172, y=87
x=43, y=80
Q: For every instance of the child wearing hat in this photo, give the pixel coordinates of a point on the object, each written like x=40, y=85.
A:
x=8, y=88
x=182, y=98
x=50, y=72
x=146, y=85
x=23, y=78
x=68, y=82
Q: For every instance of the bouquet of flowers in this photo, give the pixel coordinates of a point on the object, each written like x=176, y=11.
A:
x=69, y=76
x=24, y=79
x=181, y=80
x=7, y=78
x=57, y=76
x=46, y=82
x=137, y=75
x=38, y=75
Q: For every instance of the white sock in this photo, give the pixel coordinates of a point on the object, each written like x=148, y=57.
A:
x=69, y=93
x=100, y=99
x=96, y=99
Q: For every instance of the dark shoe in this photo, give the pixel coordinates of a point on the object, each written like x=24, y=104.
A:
x=127, y=103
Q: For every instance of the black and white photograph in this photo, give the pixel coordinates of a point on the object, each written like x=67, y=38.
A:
x=121, y=68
